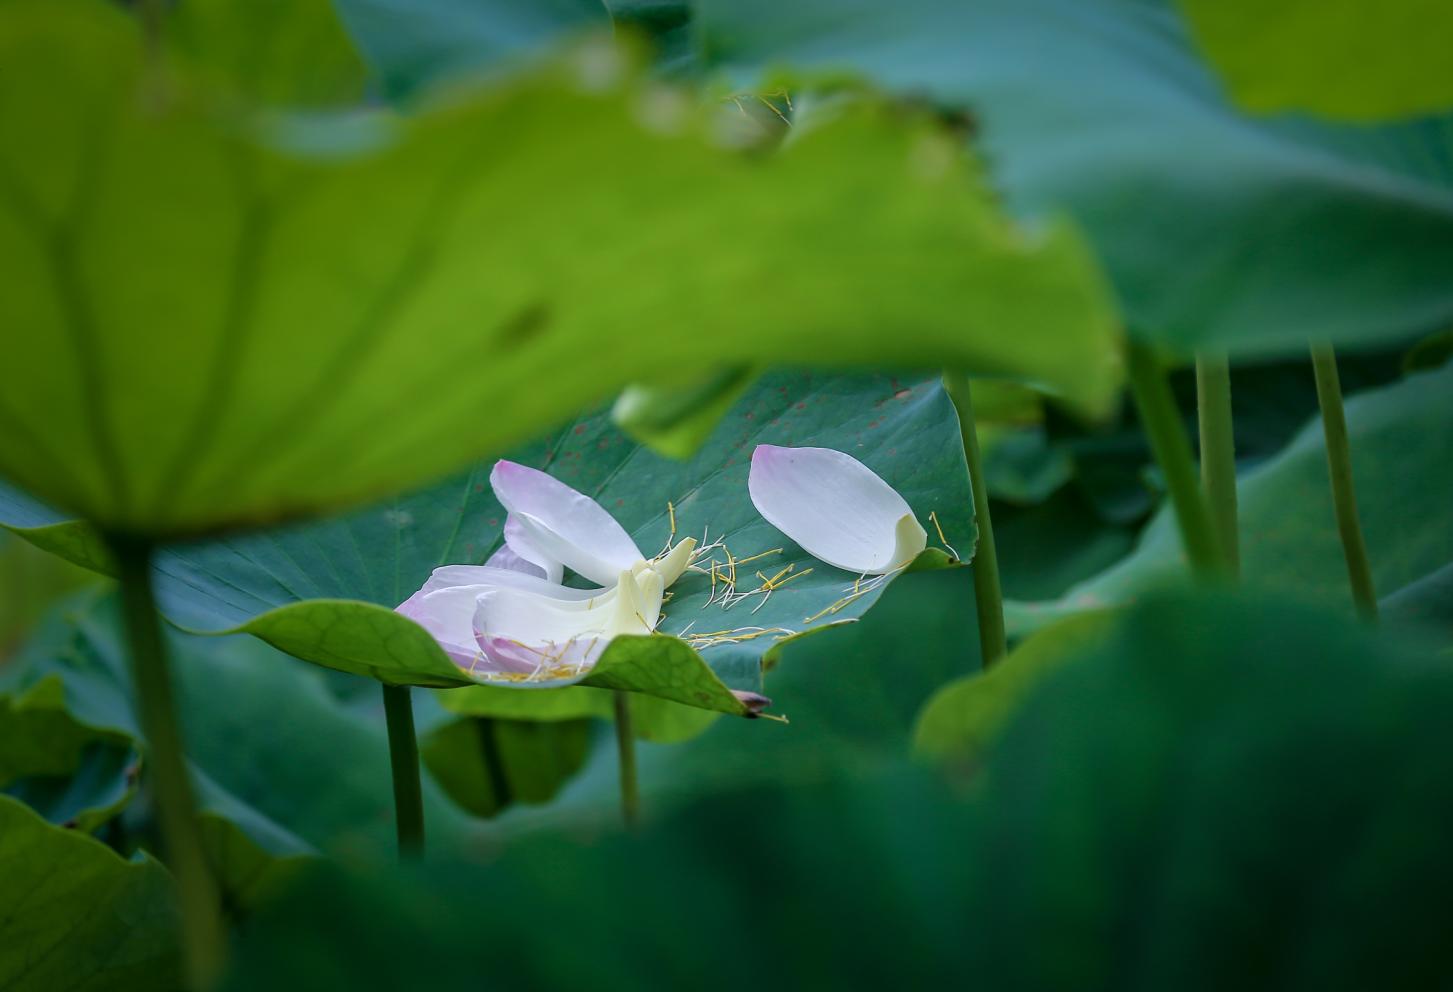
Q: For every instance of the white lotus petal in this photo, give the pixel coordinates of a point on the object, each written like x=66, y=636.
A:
x=531, y=619
x=447, y=576
x=517, y=539
x=562, y=524
x=835, y=507
x=505, y=557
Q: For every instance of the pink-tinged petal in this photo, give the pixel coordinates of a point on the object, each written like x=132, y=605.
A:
x=504, y=655
x=448, y=615
x=565, y=525
x=517, y=540
x=506, y=558
x=835, y=507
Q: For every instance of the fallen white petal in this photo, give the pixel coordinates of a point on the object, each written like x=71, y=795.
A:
x=835, y=507
x=563, y=525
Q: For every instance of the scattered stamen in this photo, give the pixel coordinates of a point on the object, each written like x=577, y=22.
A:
x=933, y=516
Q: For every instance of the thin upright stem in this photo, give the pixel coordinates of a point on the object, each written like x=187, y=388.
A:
x=1218, y=451
x=626, y=750
x=988, y=593
x=403, y=752
x=1162, y=423
x=199, y=905
x=1339, y=470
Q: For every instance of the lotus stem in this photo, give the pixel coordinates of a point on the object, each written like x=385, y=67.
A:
x=1218, y=451
x=403, y=751
x=988, y=593
x=626, y=750
x=199, y=904
x=1339, y=471
x=1162, y=424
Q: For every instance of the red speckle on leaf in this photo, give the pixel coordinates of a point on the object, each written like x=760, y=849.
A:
x=903, y=394
x=751, y=415
x=872, y=424
x=494, y=521
x=801, y=406
x=774, y=423
x=479, y=487
x=579, y=428
x=604, y=444
x=620, y=503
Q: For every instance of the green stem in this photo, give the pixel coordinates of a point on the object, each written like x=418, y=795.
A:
x=1339, y=469
x=1218, y=451
x=626, y=749
x=1162, y=423
x=403, y=752
x=199, y=905
x=988, y=594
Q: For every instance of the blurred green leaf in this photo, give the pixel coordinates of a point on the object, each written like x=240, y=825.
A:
x=1145, y=822
x=1289, y=543
x=962, y=719
x=30, y=581
x=285, y=53
x=1223, y=792
x=74, y=915
x=283, y=766
x=486, y=764
x=413, y=43
x=75, y=775
x=343, y=323
x=1218, y=230
x=676, y=419
x=1339, y=58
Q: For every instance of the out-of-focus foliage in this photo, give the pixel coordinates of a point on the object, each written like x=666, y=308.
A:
x=369, y=301
x=1400, y=436
x=964, y=718
x=1145, y=822
x=74, y=915
x=30, y=580
x=1340, y=58
x=413, y=43
x=1217, y=229
x=486, y=764
x=324, y=592
x=284, y=765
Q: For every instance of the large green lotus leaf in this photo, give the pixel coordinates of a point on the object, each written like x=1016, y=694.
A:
x=1340, y=58
x=283, y=766
x=211, y=329
x=287, y=586
x=1146, y=822
x=75, y=915
x=1400, y=437
x=1217, y=230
